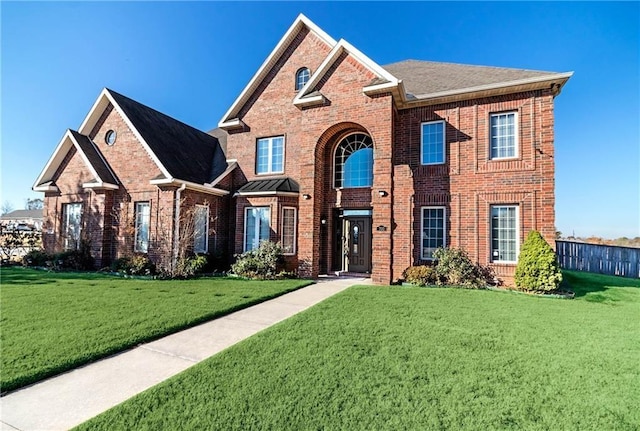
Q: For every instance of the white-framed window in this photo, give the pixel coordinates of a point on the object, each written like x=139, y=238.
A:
x=353, y=162
x=201, y=229
x=504, y=233
x=434, y=230
x=432, y=143
x=302, y=76
x=71, y=225
x=257, y=226
x=288, y=230
x=504, y=135
x=143, y=218
x=270, y=155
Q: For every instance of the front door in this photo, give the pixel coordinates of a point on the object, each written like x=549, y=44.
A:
x=357, y=244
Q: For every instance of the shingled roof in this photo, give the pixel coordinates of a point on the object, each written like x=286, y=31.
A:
x=95, y=158
x=429, y=77
x=186, y=152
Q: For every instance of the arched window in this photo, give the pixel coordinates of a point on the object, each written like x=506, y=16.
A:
x=354, y=162
x=302, y=76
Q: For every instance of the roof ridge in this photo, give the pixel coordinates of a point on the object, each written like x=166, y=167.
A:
x=411, y=60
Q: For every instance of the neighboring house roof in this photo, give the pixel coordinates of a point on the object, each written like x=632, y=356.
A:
x=271, y=186
x=423, y=78
x=23, y=215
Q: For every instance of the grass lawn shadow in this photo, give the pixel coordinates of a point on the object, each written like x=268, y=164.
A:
x=597, y=287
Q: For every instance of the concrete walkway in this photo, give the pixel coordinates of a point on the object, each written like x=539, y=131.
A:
x=67, y=400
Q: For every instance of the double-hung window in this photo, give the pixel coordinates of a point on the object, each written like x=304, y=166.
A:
x=256, y=226
x=432, y=143
x=270, y=155
x=201, y=229
x=71, y=225
x=504, y=136
x=504, y=233
x=288, y=231
x=143, y=217
x=433, y=230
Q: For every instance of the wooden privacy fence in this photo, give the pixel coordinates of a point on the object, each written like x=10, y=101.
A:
x=602, y=259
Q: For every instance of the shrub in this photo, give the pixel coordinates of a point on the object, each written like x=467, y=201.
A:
x=260, y=263
x=36, y=258
x=538, y=267
x=420, y=275
x=77, y=260
x=454, y=267
x=134, y=265
x=190, y=266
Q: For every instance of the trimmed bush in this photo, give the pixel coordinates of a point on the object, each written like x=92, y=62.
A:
x=134, y=265
x=190, y=266
x=421, y=275
x=261, y=263
x=538, y=268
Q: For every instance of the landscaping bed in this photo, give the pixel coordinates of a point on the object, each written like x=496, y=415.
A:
x=412, y=358
x=54, y=322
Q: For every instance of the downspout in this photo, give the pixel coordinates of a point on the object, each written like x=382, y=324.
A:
x=176, y=226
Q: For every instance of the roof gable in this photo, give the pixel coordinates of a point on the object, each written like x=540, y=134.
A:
x=229, y=119
x=90, y=155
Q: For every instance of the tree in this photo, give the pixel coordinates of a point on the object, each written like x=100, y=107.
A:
x=7, y=207
x=34, y=204
x=538, y=267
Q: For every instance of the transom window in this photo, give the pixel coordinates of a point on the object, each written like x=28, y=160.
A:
x=143, y=216
x=201, y=229
x=71, y=225
x=504, y=140
x=504, y=233
x=270, y=155
x=256, y=226
x=432, y=149
x=288, y=231
x=433, y=230
x=354, y=162
x=302, y=76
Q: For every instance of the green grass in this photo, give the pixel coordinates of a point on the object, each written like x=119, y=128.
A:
x=53, y=322
x=379, y=358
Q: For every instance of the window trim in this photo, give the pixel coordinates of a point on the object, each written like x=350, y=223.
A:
x=244, y=231
x=65, y=225
x=444, y=142
x=516, y=137
x=517, y=229
x=136, y=224
x=295, y=229
x=206, y=229
x=299, y=72
x=444, y=228
x=270, y=154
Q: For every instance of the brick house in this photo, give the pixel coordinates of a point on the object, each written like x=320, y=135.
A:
x=352, y=166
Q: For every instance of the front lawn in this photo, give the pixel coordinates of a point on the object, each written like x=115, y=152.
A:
x=53, y=322
x=418, y=358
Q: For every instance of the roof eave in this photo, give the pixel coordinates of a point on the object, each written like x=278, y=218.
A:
x=233, y=124
x=100, y=186
x=267, y=193
x=189, y=185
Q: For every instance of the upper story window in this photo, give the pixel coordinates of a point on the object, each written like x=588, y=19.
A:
x=432, y=148
x=354, y=162
x=270, y=155
x=302, y=76
x=504, y=136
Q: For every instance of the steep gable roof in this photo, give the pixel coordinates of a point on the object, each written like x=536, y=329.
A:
x=89, y=153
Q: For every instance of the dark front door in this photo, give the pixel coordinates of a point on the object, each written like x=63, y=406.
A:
x=357, y=244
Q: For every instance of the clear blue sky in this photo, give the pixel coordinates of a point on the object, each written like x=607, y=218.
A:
x=191, y=60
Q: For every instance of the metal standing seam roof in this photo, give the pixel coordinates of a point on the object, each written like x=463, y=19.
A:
x=428, y=77
x=270, y=185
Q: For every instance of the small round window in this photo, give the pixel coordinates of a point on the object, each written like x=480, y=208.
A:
x=110, y=137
